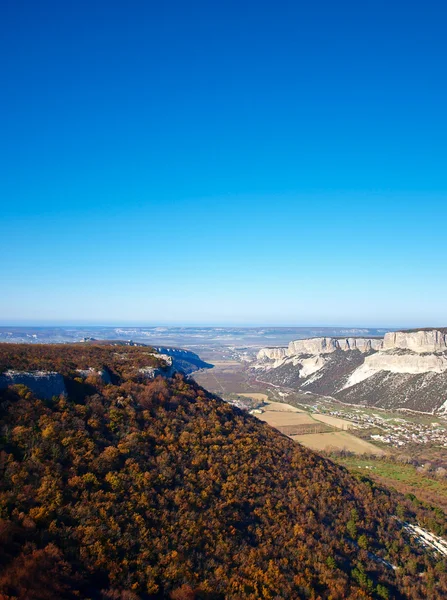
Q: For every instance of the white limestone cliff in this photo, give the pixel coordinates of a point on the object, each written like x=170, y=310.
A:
x=320, y=345
x=396, y=362
x=272, y=353
x=418, y=341
x=362, y=344
x=422, y=341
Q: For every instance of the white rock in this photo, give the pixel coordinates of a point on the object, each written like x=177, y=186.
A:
x=418, y=341
x=396, y=362
x=272, y=353
x=320, y=345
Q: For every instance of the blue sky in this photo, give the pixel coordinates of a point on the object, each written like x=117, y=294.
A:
x=223, y=163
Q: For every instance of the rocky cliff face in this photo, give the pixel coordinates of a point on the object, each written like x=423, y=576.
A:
x=417, y=341
x=168, y=370
x=44, y=384
x=404, y=370
x=362, y=344
x=272, y=353
x=398, y=362
x=321, y=345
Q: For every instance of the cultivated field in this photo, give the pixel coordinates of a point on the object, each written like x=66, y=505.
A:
x=255, y=396
x=277, y=418
x=335, y=421
x=279, y=406
x=341, y=440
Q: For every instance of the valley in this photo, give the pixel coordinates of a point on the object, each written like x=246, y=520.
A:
x=404, y=449
x=386, y=429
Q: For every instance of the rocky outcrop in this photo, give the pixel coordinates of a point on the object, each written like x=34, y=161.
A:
x=272, y=354
x=102, y=374
x=44, y=384
x=165, y=358
x=165, y=370
x=418, y=341
x=153, y=372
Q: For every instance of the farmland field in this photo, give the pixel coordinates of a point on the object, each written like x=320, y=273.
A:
x=255, y=396
x=277, y=406
x=340, y=440
x=335, y=421
x=277, y=418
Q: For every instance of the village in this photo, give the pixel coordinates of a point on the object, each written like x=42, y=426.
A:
x=396, y=431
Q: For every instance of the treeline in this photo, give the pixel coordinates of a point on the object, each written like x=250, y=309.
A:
x=158, y=490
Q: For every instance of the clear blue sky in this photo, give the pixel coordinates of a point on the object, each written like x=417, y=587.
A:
x=223, y=162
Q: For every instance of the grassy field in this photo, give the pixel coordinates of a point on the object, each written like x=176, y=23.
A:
x=405, y=478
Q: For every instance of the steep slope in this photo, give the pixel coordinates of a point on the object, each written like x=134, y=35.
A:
x=404, y=370
x=155, y=489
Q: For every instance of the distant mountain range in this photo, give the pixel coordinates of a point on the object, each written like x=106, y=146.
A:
x=404, y=369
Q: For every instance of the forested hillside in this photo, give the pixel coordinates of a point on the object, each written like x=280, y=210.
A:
x=156, y=489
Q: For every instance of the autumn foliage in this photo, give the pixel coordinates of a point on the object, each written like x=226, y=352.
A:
x=156, y=489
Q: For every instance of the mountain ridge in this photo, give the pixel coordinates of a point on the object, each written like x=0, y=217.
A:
x=150, y=489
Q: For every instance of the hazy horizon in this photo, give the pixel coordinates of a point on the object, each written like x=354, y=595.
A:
x=212, y=324
x=184, y=324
